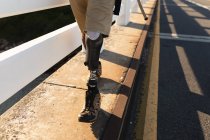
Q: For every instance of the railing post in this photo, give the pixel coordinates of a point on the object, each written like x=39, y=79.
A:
x=135, y=7
x=124, y=16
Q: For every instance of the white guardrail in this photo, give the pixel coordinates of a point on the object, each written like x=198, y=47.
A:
x=16, y=7
x=22, y=64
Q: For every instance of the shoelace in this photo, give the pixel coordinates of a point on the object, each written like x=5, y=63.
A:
x=93, y=79
x=93, y=75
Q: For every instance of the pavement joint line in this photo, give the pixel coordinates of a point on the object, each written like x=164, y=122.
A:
x=62, y=85
x=198, y=4
x=184, y=37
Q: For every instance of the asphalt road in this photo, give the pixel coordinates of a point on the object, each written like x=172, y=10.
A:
x=184, y=70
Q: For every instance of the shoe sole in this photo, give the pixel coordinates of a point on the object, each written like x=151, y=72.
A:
x=89, y=121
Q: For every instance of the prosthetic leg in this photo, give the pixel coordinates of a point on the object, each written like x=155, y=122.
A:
x=92, y=100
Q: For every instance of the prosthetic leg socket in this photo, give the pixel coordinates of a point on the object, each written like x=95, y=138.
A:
x=93, y=52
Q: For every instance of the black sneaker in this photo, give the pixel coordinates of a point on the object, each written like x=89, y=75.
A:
x=92, y=106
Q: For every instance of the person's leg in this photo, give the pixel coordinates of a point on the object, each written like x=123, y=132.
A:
x=79, y=9
x=94, y=42
x=92, y=53
x=95, y=24
x=99, y=16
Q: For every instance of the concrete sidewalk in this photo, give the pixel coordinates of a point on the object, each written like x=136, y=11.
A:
x=50, y=110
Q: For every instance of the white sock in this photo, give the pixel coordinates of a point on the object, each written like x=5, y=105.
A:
x=93, y=35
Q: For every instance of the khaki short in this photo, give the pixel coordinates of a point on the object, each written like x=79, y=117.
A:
x=93, y=15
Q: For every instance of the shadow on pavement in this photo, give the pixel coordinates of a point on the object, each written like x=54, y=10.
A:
x=99, y=128
x=184, y=77
x=136, y=25
x=118, y=59
x=28, y=88
x=22, y=93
